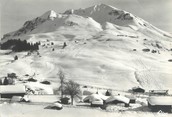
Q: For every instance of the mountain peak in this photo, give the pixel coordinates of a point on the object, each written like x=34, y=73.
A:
x=49, y=15
x=100, y=13
x=104, y=5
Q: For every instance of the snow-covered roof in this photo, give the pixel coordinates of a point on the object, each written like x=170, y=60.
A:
x=7, y=89
x=119, y=98
x=137, y=87
x=160, y=100
x=103, y=97
x=130, y=96
x=158, y=91
x=37, y=87
x=93, y=97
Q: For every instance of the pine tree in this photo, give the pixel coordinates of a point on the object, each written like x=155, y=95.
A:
x=5, y=81
x=16, y=57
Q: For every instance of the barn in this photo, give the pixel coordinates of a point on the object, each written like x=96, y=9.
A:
x=160, y=103
x=8, y=91
x=138, y=90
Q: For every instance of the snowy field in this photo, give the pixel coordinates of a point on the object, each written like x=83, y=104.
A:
x=29, y=110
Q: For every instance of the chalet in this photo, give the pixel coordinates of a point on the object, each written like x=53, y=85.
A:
x=160, y=103
x=8, y=91
x=138, y=90
x=158, y=92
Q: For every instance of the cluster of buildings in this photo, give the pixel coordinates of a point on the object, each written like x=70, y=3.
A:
x=158, y=100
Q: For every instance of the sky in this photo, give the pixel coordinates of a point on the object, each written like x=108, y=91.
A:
x=13, y=13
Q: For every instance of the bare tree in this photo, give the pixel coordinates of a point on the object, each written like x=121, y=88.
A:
x=73, y=89
x=62, y=81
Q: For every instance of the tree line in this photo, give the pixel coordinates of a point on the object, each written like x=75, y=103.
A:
x=18, y=45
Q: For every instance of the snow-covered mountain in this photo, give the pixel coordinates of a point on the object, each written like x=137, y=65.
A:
x=106, y=16
x=106, y=47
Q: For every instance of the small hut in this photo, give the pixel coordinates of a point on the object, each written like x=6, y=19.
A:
x=157, y=103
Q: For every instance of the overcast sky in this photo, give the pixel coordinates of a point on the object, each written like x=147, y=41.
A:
x=13, y=13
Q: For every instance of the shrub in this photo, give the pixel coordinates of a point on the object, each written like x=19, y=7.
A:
x=146, y=50
x=154, y=51
x=31, y=80
x=170, y=60
x=84, y=86
x=12, y=75
x=26, y=74
x=46, y=82
x=108, y=93
x=16, y=57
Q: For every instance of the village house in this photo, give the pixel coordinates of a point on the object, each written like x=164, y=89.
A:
x=160, y=103
x=8, y=91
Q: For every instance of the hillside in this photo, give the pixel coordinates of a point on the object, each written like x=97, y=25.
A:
x=106, y=47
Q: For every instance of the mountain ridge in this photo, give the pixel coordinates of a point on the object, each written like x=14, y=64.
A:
x=100, y=13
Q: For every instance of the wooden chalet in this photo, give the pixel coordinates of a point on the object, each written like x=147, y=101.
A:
x=160, y=103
